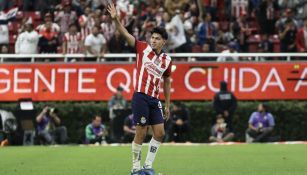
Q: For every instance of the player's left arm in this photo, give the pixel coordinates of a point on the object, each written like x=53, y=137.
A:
x=167, y=90
x=167, y=94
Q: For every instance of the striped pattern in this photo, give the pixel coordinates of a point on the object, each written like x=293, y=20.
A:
x=150, y=69
x=73, y=43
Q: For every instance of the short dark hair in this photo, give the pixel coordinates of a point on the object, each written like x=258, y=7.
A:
x=265, y=106
x=97, y=26
x=119, y=88
x=72, y=24
x=160, y=31
x=288, y=21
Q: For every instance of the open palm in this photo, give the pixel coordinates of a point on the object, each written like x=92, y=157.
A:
x=112, y=10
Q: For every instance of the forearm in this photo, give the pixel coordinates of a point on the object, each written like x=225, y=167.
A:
x=104, y=49
x=40, y=117
x=89, y=135
x=64, y=48
x=283, y=34
x=252, y=127
x=89, y=50
x=167, y=91
x=124, y=32
x=56, y=119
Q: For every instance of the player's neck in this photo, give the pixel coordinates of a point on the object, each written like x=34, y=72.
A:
x=157, y=51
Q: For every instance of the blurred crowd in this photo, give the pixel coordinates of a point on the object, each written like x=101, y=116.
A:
x=83, y=26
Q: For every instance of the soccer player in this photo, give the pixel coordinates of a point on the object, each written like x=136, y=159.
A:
x=152, y=66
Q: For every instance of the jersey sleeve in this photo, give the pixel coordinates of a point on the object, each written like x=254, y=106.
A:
x=140, y=46
x=252, y=118
x=88, y=133
x=168, y=71
x=271, y=120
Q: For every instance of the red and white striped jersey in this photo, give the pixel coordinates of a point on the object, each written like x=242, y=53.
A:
x=90, y=22
x=150, y=69
x=108, y=30
x=54, y=28
x=239, y=7
x=84, y=32
x=73, y=43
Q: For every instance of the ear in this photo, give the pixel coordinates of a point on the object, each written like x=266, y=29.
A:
x=164, y=42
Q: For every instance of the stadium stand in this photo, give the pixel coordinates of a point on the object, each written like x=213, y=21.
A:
x=154, y=12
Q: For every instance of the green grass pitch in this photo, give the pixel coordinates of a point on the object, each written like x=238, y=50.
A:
x=257, y=159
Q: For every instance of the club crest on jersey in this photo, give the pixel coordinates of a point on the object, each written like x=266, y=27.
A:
x=157, y=61
x=143, y=120
x=153, y=69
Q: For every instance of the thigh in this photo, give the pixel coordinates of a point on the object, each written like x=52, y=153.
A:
x=140, y=109
x=156, y=113
x=45, y=135
x=158, y=131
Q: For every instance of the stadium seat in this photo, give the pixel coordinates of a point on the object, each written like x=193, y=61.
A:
x=196, y=49
x=276, y=42
x=35, y=15
x=253, y=42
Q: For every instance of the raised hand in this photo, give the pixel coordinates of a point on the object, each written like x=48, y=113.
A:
x=112, y=10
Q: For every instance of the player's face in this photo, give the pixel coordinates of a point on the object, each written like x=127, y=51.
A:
x=118, y=93
x=220, y=120
x=95, y=31
x=73, y=29
x=260, y=107
x=156, y=41
x=28, y=27
x=97, y=121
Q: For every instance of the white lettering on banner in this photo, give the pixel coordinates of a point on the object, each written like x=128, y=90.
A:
x=241, y=80
x=50, y=85
x=268, y=82
x=83, y=80
x=210, y=85
x=187, y=80
x=5, y=81
x=233, y=79
x=125, y=86
x=66, y=77
x=301, y=82
x=226, y=74
x=18, y=80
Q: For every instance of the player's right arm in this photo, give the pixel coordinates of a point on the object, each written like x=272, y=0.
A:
x=88, y=133
x=122, y=30
x=40, y=117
